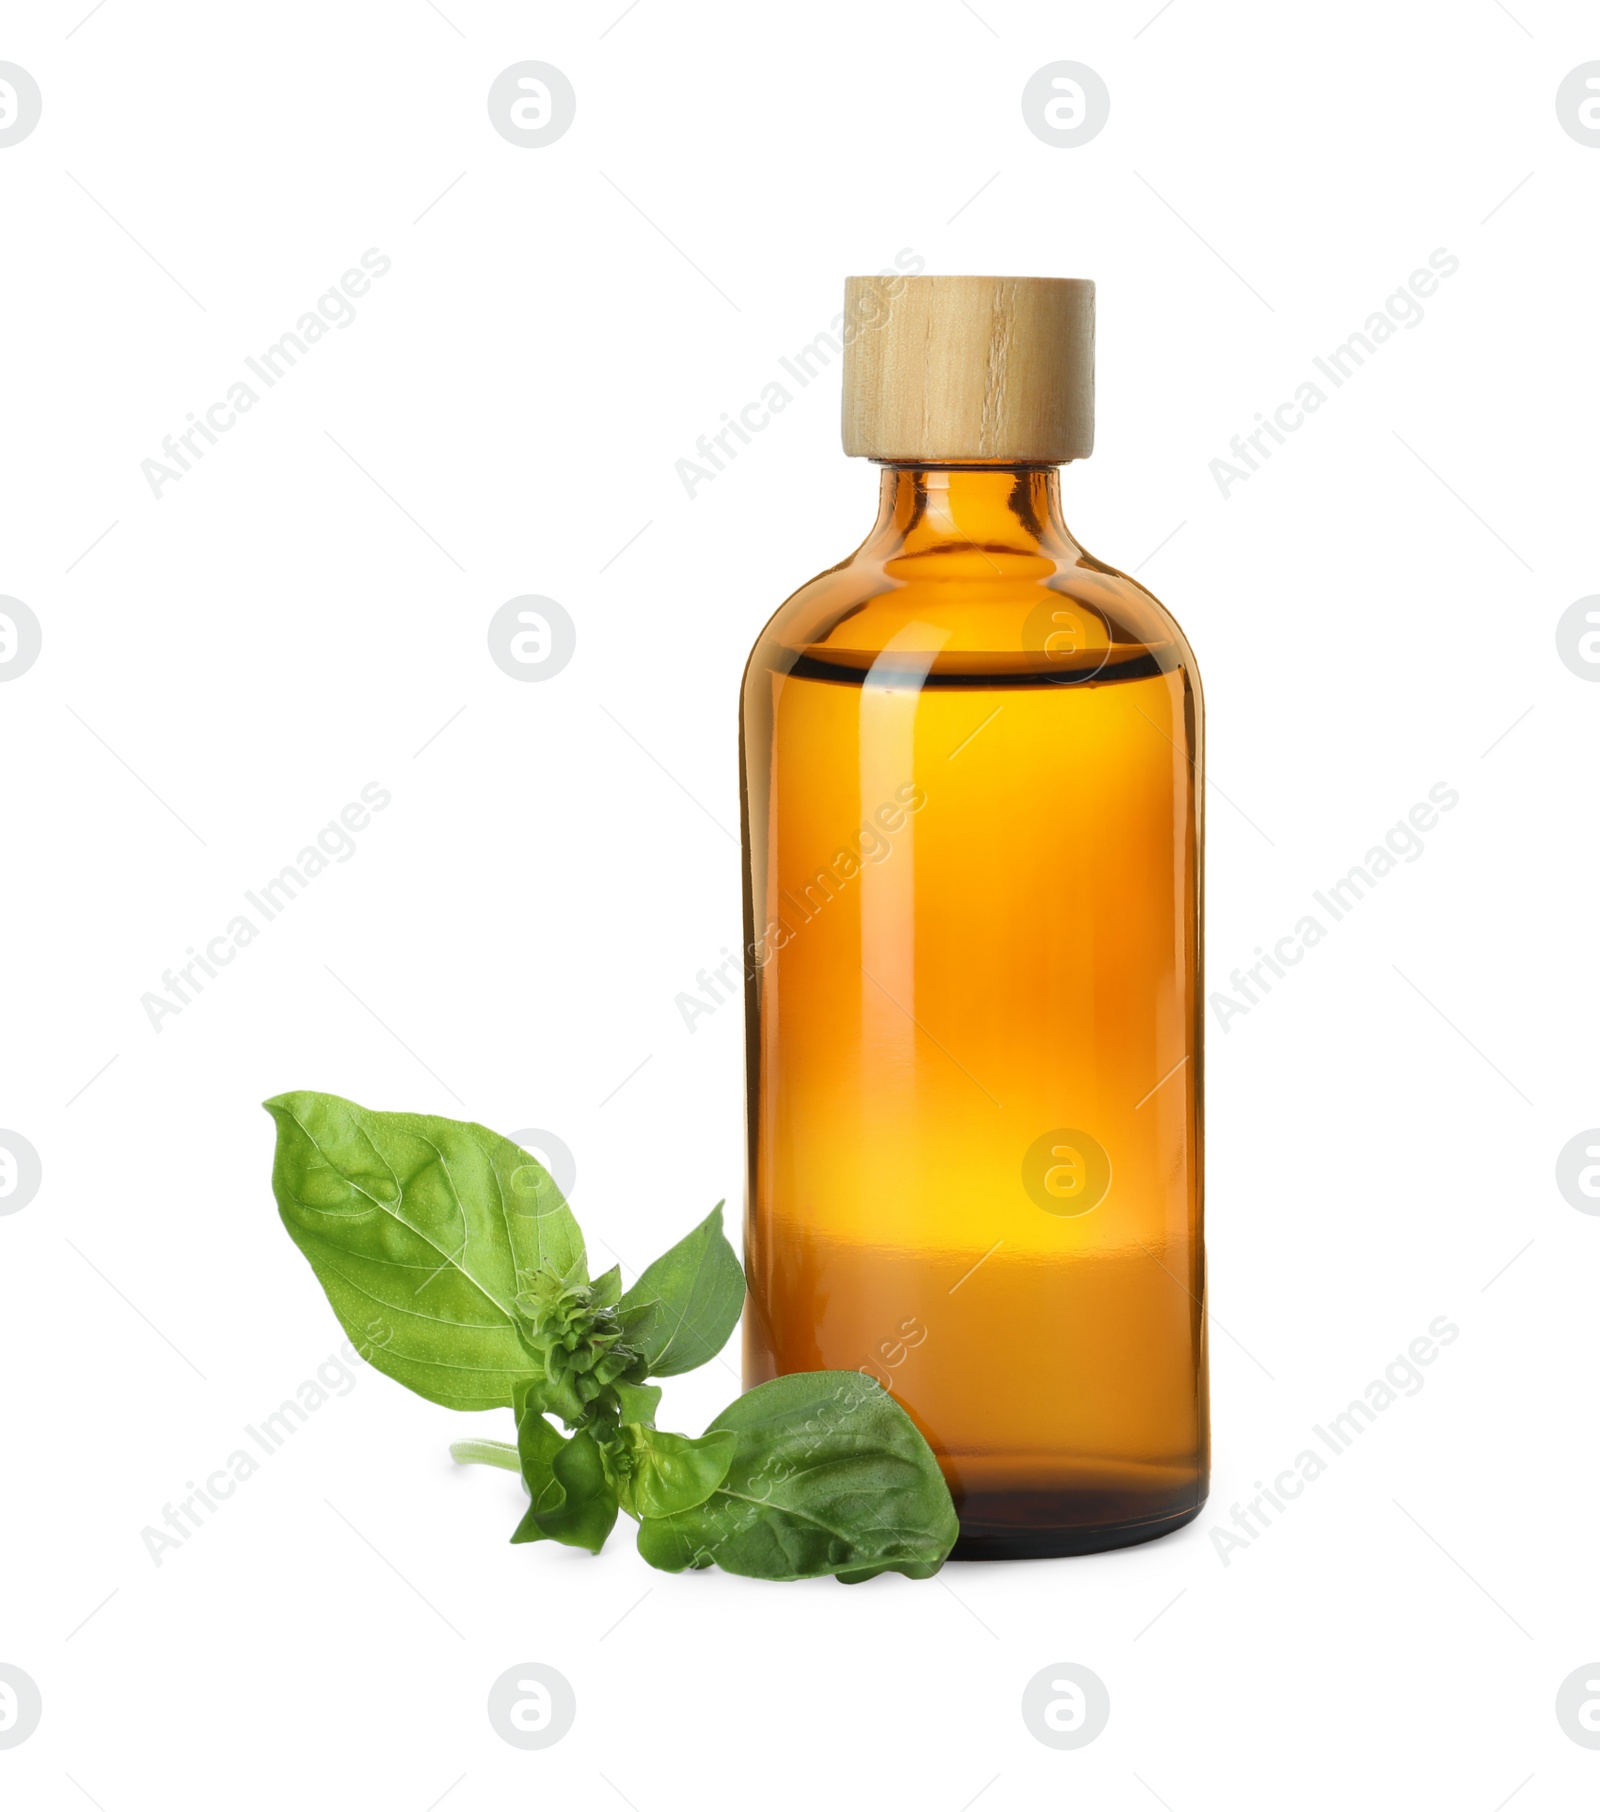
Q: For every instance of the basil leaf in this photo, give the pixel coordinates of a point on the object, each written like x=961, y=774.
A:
x=638, y=1402
x=660, y=1474
x=683, y=1307
x=417, y=1228
x=588, y=1506
x=829, y=1475
x=570, y=1498
x=538, y=1443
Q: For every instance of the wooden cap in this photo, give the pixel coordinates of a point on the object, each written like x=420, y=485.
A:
x=948, y=370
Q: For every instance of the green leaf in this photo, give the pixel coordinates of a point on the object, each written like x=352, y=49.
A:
x=417, y=1228
x=538, y=1443
x=683, y=1307
x=660, y=1474
x=570, y=1499
x=588, y=1507
x=829, y=1475
x=638, y=1402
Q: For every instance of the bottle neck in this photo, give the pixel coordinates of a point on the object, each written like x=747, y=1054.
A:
x=1002, y=509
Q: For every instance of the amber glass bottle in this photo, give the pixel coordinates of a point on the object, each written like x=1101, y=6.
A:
x=972, y=814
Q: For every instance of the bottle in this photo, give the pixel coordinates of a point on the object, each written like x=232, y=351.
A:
x=970, y=770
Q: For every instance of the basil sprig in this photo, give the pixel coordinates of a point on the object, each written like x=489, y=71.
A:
x=450, y=1257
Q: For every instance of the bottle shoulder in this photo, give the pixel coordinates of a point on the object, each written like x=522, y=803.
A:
x=976, y=611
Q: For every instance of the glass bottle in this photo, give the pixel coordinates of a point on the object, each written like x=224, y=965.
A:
x=970, y=762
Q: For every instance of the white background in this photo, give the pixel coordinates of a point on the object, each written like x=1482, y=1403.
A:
x=232, y=662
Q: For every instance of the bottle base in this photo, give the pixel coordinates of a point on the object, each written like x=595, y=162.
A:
x=1027, y=1534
